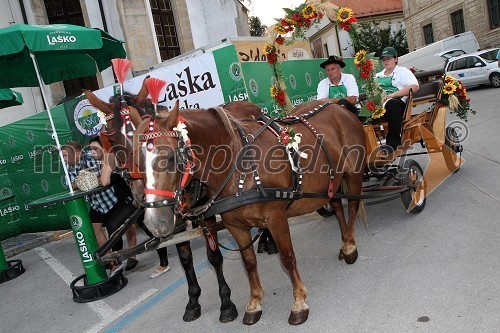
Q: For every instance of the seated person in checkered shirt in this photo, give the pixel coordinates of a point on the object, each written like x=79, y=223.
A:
x=102, y=204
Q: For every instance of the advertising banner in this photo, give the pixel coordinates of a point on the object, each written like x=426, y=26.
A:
x=253, y=50
x=199, y=82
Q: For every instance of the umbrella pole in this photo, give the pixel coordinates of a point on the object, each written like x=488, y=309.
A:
x=54, y=134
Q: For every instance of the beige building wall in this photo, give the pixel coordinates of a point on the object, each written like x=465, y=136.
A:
x=418, y=13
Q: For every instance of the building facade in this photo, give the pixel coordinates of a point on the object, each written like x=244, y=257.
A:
x=153, y=31
x=428, y=21
x=328, y=39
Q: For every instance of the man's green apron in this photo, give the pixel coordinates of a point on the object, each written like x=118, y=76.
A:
x=386, y=84
x=337, y=92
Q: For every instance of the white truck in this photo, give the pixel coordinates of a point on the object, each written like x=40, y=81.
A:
x=435, y=55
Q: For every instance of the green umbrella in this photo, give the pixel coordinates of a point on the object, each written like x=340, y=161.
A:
x=30, y=53
x=62, y=52
x=9, y=98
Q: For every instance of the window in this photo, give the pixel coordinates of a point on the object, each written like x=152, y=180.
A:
x=458, y=64
x=490, y=56
x=472, y=61
x=70, y=12
x=317, y=48
x=166, y=34
x=428, y=34
x=494, y=9
x=457, y=22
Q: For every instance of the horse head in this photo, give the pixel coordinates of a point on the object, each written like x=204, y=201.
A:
x=158, y=143
x=123, y=113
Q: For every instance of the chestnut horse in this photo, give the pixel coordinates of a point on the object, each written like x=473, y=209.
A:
x=115, y=133
x=214, y=148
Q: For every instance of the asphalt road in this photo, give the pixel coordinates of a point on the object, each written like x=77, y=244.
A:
x=436, y=271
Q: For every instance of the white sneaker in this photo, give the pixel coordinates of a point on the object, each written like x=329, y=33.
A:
x=118, y=268
x=158, y=272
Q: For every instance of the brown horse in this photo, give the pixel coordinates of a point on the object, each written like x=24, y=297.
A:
x=118, y=124
x=238, y=160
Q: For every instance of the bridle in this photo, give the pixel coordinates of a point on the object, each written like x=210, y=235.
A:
x=185, y=164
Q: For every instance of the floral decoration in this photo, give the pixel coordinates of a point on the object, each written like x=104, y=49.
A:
x=454, y=95
x=373, y=108
x=296, y=22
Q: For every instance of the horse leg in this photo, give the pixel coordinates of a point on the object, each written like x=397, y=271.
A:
x=193, y=308
x=281, y=233
x=253, y=310
x=228, y=311
x=348, y=251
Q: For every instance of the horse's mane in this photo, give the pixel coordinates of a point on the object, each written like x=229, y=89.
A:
x=227, y=119
x=129, y=99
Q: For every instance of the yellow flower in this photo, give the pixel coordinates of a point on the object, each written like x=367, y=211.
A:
x=280, y=29
x=274, y=90
x=360, y=57
x=290, y=21
x=449, y=88
x=269, y=49
x=379, y=112
x=308, y=11
x=344, y=14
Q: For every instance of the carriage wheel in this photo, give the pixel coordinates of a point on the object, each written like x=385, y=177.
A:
x=411, y=174
x=326, y=211
x=453, y=142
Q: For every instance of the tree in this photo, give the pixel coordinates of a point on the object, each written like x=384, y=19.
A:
x=256, y=27
x=373, y=38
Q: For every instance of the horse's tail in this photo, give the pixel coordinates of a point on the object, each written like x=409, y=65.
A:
x=362, y=215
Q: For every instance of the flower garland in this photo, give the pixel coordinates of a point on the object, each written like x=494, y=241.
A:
x=296, y=22
x=454, y=95
x=373, y=108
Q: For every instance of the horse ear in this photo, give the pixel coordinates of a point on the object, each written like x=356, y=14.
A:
x=143, y=93
x=173, y=116
x=98, y=103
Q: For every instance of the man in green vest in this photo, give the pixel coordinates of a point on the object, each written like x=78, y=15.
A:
x=338, y=87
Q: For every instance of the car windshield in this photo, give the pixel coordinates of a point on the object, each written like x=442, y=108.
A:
x=490, y=56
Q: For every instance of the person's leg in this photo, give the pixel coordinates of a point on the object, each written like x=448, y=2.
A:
x=348, y=105
x=131, y=235
x=162, y=252
x=394, y=113
x=99, y=234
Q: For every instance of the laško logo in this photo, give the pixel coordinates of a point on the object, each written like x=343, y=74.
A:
x=60, y=39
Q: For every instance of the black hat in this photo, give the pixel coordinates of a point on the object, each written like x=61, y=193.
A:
x=333, y=60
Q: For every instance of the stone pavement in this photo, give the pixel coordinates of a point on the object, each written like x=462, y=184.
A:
x=26, y=242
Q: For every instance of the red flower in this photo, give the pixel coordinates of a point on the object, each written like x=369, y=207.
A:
x=285, y=137
x=280, y=40
x=371, y=105
x=271, y=58
x=352, y=20
x=308, y=23
x=345, y=25
x=284, y=23
x=296, y=17
x=320, y=15
x=365, y=75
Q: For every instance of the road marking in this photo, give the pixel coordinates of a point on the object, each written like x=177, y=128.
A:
x=133, y=315
x=101, y=308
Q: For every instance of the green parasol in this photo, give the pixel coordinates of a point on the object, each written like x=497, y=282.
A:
x=30, y=53
x=9, y=98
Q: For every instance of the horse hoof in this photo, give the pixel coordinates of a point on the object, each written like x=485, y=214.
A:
x=341, y=255
x=351, y=258
x=251, y=318
x=297, y=318
x=192, y=314
x=229, y=314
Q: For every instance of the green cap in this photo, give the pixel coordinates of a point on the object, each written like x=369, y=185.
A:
x=389, y=52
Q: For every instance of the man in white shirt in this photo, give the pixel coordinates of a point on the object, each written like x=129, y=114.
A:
x=338, y=87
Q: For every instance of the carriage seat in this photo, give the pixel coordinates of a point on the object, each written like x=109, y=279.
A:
x=427, y=92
